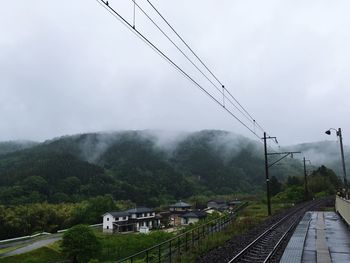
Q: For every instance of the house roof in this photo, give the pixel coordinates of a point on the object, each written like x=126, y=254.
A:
x=158, y=216
x=210, y=210
x=222, y=207
x=180, y=204
x=218, y=201
x=130, y=211
x=117, y=214
x=195, y=214
x=235, y=202
x=140, y=210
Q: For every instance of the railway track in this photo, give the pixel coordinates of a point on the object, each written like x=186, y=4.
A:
x=264, y=247
x=265, y=242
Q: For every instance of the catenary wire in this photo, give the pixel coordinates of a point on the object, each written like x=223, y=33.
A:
x=201, y=61
x=155, y=48
x=246, y=115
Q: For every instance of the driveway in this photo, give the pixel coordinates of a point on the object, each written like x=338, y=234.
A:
x=32, y=246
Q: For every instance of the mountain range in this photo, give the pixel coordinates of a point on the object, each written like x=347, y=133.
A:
x=146, y=167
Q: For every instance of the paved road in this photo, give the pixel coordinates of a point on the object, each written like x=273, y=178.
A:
x=32, y=246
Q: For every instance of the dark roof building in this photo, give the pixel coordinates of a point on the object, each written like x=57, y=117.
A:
x=130, y=220
x=195, y=214
x=180, y=204
x=218, y=201
x=119, y=214
x=140, y=210
x=220, y=205
x=235, y=202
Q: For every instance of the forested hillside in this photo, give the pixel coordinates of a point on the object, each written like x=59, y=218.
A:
x=146, y=167
x=324, y=153
x=13, y=146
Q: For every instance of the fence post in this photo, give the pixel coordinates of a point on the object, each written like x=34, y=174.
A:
x=159, y=253
x=186, y=241
x=198, y=238
x=170, y=252
x=192, y=237
x=178, y=246
x=147, y=259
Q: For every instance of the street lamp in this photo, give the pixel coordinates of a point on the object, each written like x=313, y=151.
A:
x=339, y=134
x=306, y=191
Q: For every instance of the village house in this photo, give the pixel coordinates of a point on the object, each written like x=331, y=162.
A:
x=210, y=210
x=219, y=205
x=130, y=220
x=176, y=210
x=192, y=217
x=234, y=203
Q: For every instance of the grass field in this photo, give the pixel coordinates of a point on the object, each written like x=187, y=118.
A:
x=41, y=255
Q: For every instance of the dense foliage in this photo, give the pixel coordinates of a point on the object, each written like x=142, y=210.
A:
x=322, y=182
x=134, y=166
x=75, y=179
x=81, y=244
x=28, y=219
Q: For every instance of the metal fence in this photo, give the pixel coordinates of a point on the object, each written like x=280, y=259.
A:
x=167, y=251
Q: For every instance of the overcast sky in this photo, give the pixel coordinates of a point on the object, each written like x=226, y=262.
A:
x=70, y=67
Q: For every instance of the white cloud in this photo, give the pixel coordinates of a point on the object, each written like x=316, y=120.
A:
x=68, y=67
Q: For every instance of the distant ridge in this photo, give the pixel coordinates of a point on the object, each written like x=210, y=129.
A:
x=147, y=167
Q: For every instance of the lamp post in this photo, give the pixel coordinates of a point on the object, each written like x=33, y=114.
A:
x=339, y=134
x=306, y=191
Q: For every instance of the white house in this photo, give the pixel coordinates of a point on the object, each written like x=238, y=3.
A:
x=116, y=222
x=130, y=220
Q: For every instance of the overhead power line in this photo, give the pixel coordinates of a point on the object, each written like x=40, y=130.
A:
x=224, y=90
x=207, y=68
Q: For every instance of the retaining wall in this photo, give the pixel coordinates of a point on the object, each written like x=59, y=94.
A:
x=342, y=206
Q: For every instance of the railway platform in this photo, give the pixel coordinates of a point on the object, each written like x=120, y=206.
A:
x=321, y=237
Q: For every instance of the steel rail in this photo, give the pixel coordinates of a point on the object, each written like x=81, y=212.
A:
x=240, y=254
x=275, y=226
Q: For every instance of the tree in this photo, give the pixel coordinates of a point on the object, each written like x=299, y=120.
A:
x=71, y=185
x=293, y=194
x=90, y=211
x=294, y=181
x=80, y=244
x=324, y=180
x=275, y=186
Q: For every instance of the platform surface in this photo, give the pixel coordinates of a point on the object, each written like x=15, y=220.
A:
x=321, y=237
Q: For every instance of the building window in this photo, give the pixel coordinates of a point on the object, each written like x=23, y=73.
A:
x=107, y=218
x=124, y=218
x=107, y=227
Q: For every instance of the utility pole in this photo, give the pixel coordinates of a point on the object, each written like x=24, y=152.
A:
x=306, y=192
x=343, y=161
x=267, y=177
x=267, y=166
x=339, y=133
